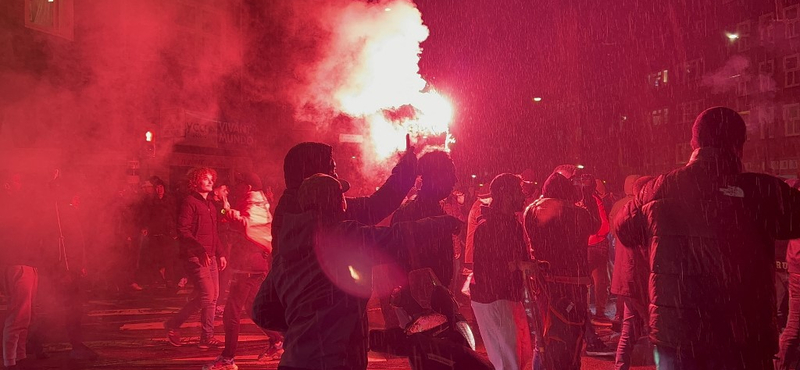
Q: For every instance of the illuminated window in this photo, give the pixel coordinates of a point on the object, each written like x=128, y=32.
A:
x=660, y=117
x=693, y=70
x=791, y=118
x=790, y=16
x=766, y=27
x=658, y=79
x=50, y=16
x=791, y=70
x=743, y=41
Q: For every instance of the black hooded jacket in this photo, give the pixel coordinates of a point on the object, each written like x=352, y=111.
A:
x=308, y=158
x=559, y=230
x=710, y=232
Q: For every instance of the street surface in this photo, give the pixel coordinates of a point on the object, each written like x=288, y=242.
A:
x=127, y=333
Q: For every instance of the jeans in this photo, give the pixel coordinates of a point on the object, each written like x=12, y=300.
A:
x=243, y=289
x=633, y=327
x=782, y=294
x=697, y=358
x=790, y=338
x=20, y=283
x=204, y=297
x=504, y=334
x=598, y=266
x=225, y=282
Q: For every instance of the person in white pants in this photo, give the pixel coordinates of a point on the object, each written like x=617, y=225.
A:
x=496, y=291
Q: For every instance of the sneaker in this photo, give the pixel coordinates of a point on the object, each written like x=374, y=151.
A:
x=221, y=363
x=83, y=353
x=173, y=336
x=273, y=352
x=136, y=287
x=182, y=283
x=210, y=343
x=599, y=349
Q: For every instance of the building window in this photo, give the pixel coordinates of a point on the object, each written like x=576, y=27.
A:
x=693, y=70
x=791, y=70
x=766, y=67
x=765, y=119
x=790, y=16
x=683, y=152
x=791, y=118
x=766, y=72
x=766, y=28
x=690, y=110
x=743, y=31
x=742, y=85
x=658, y=79
x=50, y=16
x=660, y=117
x=750, y=123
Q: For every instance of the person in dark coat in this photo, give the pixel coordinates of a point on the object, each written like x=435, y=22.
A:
x=438, y=176
x=790, y=338
x=629, y=284
x=322, y=275
x=710, y=231
x=496, y=291
x=306, y=159
x=302, y=161
x=559, y=231
x=203, y=255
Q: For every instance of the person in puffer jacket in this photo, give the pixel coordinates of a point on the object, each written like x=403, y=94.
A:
x=710, y=232
x=323, y=275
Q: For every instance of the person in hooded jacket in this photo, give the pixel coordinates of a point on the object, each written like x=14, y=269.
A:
x=629, y=284
x=322, y=275
x=710, y=230
x=438, y=174
x=558, y=231
x=309, y=158
x=614, y=210
x=306, y=159
x=788, y=357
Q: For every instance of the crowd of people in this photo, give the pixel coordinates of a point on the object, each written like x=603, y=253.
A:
x=689, y=256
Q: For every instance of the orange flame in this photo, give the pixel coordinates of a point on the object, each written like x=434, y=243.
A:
x=386, y=78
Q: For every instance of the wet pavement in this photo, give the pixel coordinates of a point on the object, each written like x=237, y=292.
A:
x=127, y=332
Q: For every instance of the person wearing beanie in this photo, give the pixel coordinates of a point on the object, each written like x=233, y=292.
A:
x=495, y=291
x=710, y=230
x=323, y=275
x=558, y=230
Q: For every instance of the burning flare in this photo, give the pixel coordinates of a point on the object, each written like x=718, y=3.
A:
x=384, y=87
